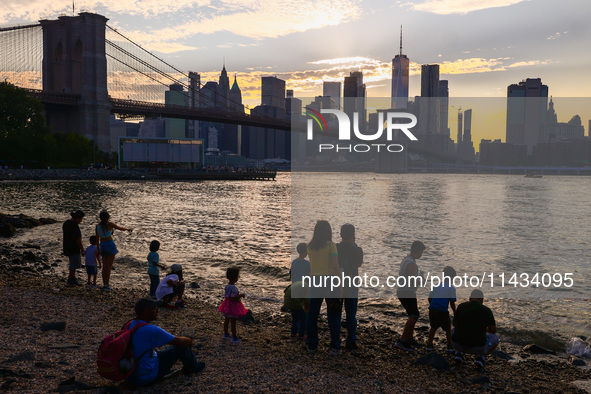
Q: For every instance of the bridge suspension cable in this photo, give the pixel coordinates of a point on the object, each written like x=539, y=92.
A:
x=130, y=60
x=21, y=56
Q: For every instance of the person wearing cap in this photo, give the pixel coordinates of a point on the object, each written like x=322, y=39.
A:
x=172, y=287
x=72, y=245
x=474, y=329
x=154, y=365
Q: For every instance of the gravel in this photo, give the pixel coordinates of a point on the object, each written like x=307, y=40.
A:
x=36, y=360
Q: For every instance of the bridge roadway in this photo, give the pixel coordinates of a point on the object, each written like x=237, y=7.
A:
x=154, y=110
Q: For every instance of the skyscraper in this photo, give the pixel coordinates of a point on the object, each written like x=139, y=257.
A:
x=467, y=147
x=527, y=104
x=235, y=102
x=467, y=138
x=273, y=92
x=429, y=80
x=400, y=68
x=223, y=89
x=354, y=98
x=460, y=125
x=175, y=128
x=444, y=108
x=430, y=108
x=332, y=89
x=293, y=105
x=194, y=92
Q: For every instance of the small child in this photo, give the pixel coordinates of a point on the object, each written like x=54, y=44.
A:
x=439, y=299
x=298, y=308
x=232, y=307
x=153, y=267
x=92, y=257
x=299, y=267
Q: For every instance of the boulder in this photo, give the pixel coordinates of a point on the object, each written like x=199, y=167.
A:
x=6, y=229
x=434, y=360
x=29, y=256
x=573, y=360
x=502, y=355
x=8, y=223
x=535, y=349
x=24, y=356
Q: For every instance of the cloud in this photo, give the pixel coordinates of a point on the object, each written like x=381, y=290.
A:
x=557, y=35
x=530, y=63
x=345, y=60
x=258, y=20
x=472, y=65
x=447, y=7
x=255, y=19
x=33, y=10
x=168, y=47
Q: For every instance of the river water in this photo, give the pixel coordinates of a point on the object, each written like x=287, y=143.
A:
x=475, y=223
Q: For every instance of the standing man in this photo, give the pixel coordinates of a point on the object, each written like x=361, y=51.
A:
x=152, y=365
x=408, y=295
x=350, y=259
x=475, y=329
x=73, y=245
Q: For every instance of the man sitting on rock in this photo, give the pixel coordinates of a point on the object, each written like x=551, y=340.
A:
x=154, y=365
x=475, y=329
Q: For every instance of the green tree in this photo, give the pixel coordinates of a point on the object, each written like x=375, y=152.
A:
x=70, y=150
x=23, y=132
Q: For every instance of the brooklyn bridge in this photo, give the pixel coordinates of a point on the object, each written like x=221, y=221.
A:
x=84, y=70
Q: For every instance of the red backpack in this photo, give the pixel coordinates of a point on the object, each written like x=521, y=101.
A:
x=115, y=360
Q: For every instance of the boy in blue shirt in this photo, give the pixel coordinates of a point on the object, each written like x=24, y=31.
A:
x=439, y=299
x=153, y=267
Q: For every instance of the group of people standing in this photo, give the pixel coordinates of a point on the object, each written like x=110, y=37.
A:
x=100, y=254
x=474, y=329
x=327, y=258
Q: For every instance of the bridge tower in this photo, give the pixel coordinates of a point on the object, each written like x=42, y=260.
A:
x=74, y=63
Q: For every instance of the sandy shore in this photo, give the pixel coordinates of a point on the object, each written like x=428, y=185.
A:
x=32, y=360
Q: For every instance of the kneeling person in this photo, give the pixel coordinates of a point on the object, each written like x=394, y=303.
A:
x=154, y=365
x=475, y=329
x=171, y=288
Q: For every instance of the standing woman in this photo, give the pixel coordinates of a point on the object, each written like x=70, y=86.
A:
x=104, y=231
x=324, y=261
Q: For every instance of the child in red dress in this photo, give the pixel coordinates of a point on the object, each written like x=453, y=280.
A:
x=232, y=307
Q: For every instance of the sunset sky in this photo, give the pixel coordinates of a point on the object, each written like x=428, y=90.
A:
x=481, y=45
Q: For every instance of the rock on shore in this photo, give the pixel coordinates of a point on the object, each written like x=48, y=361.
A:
x=9, y=223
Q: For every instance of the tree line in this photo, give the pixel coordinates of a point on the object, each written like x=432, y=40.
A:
x=26, y=140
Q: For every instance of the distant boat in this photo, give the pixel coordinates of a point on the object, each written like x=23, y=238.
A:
x=533, y=175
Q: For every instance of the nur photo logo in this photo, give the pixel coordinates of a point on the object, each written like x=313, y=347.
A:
x=402, y=121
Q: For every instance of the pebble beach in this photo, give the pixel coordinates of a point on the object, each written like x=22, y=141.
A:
x=50, y=333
